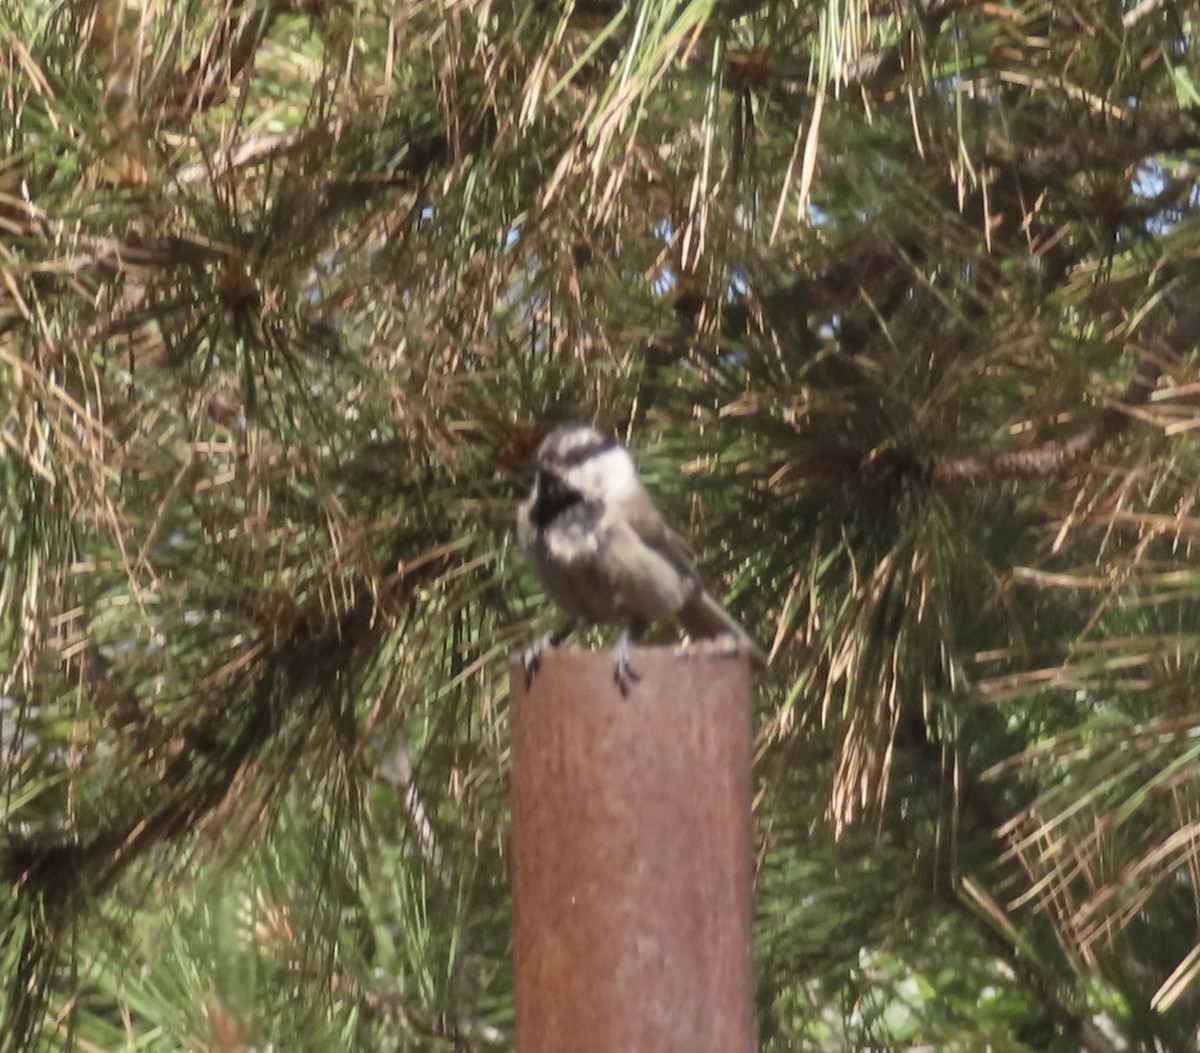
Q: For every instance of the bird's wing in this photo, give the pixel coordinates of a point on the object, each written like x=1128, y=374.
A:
x=650, y=526
x=701, y=615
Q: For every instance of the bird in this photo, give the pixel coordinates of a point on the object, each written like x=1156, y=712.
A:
x=605, y=555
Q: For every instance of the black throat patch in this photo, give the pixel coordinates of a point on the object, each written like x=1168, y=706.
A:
x=554, y=497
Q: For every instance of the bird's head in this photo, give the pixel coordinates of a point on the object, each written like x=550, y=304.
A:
x=577, y=462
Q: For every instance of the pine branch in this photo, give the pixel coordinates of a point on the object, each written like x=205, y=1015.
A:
x=310, y=662
x=1052, y=458
x=224, y=56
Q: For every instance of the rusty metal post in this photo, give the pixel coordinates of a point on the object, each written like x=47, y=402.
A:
x=632, y=870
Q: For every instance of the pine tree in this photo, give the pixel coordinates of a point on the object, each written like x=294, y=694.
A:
x=894, y=305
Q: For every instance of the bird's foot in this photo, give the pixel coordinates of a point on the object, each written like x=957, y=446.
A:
x=531, y=654
x=623, y=672
x=531, y=657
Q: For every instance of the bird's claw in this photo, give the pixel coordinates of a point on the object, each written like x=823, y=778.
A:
x=531, y=654
x=531, y=658
x=623, y=672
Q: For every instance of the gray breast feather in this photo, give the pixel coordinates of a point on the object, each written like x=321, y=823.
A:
x=598, y=569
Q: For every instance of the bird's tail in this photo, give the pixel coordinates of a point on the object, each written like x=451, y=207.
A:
x=703, y=617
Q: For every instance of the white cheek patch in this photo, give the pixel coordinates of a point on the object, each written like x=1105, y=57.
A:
x=610, y=474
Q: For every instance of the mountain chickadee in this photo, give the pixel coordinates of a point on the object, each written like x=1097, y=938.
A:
x=604, y=554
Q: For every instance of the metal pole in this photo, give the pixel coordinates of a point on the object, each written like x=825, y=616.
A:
x=632, y=870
